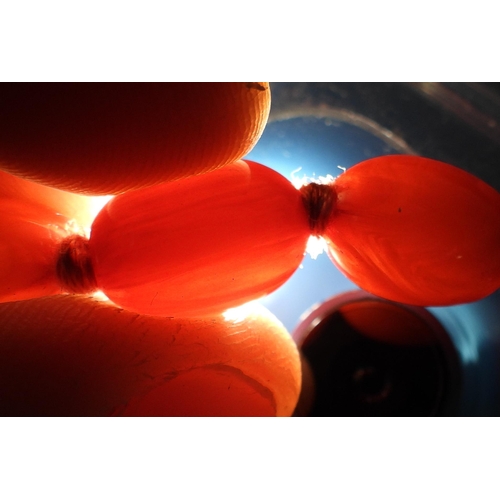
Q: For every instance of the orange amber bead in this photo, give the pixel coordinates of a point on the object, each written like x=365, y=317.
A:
x=107, y=138
x=416, y=231
x=34, y=221
x=75, y=356
x=200, y=245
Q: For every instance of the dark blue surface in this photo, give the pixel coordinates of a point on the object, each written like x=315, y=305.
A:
x=475, y=332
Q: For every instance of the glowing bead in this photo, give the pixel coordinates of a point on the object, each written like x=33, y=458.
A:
x=34, y=221
x=200, y=245
x=416, y=231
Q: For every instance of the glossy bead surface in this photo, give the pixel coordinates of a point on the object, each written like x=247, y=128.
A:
x=104, y=138
x=200, y=245
x=416, y=231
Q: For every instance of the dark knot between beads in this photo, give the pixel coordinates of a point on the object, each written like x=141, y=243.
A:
x=319, y=202
x=74, y=266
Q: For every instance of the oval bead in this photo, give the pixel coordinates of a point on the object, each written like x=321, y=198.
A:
x=34, y=219
x=104, y=138
x=200, y=245
x=416, y=231
x=75, y=356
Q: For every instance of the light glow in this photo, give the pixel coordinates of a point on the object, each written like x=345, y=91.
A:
x=316, y=245
x=73, y=227
x=298, y=182
x=100, y=296
x=96, y=203
x=246, y=311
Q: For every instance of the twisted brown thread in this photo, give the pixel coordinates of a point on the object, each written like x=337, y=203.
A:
x=319, y=202
x=74, y=266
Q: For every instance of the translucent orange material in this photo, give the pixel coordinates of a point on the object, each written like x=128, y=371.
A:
x=75, y=356
x=417, y=231
x=200, y=245
x=104, y=138
x=34, y=220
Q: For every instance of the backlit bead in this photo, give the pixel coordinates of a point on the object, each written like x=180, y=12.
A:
x=416, y=231
x=34, y=221
x=201, y=245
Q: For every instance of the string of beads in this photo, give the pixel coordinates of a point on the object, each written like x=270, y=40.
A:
x=406, y=228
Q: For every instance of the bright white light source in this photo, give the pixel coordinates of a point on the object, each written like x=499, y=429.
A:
x=96, y=204
x=246, y=311
x=316, y=246
x=100, y=296
x=298, y=182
